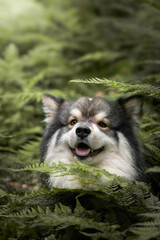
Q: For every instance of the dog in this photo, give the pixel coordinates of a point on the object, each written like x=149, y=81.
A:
x=95, y=131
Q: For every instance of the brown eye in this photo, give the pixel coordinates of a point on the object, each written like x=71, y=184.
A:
x=73, y=122
x=102, y=124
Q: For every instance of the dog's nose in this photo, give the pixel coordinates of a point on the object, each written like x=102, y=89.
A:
x=83, y=131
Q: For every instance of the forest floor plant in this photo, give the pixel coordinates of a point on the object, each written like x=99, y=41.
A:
x=43, y=45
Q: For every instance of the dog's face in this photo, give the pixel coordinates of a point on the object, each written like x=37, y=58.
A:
x=88, y=129
x=93, y=130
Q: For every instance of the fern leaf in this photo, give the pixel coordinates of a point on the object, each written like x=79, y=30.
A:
x=97, y=56
x=63, y=217
x=45, y=168
x=145, y=89
x=154, y=215
x=155, y=150
x=3, y=193
x=84, y=173
x=155, y=169
x=105, y=235
x=155, y=223
x=51, y=237
x=26, y=96
x=145, y=233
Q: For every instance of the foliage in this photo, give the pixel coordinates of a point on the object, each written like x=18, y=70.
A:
x=105, y=212
x=115, y=46
x=143, y=89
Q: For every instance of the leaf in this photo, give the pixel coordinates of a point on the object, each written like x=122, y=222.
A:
x=145, y=89
x=154, y=169
x=11, y=53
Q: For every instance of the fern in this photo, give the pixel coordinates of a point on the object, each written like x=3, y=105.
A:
x=51, y=237
x=86, y=174
x=145, y=89
x=154, y=150
x=155, y=169
x=62, y=217
x=40, y=52
x=26, y=96
x=146, y=233
x=90, y=175
x=148, y=229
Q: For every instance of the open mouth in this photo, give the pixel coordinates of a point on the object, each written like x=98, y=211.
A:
x=83, y=151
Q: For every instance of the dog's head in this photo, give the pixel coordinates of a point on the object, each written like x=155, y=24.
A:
x=89, y=128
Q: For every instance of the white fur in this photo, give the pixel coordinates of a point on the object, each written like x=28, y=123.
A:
x=59, y=152
x=56, y=153
x=115, y=158
x=119, y=161
x=49, y=108
x=76, y=113
x=100, y=116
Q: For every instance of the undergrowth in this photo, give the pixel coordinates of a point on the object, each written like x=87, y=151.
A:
x=110, y=49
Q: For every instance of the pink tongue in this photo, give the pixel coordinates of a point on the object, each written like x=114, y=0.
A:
x=82, y=152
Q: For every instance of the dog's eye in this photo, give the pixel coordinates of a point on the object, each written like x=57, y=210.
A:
x=102, y=124
x=73, y=122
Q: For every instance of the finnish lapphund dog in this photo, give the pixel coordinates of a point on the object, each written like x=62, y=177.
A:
x=95, y=131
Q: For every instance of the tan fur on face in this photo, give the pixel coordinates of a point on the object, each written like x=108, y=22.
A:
x=101, y=117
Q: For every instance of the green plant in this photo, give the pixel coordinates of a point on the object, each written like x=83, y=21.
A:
x=43, y=45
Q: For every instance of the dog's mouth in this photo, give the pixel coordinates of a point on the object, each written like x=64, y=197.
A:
x=83, y=151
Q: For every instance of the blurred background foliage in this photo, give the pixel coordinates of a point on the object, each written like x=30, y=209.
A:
x=46, y=43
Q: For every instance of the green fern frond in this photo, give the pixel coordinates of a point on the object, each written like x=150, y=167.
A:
x=145, y=89
x=105, y=235
x=27, y=213
x=63, y=217
x=30, y=147
x=97, y=56
x=147, y=233
x=84, y=173
x=29, y=152
x=154, y=215
x=27, y=96
x=44, y=168
x=3, y=193
x=154, y=131
x=154, y=150
x=35, y=194
x=34, y=80
x=151, y=3
x=25, y=131
x=7, y=150
x=91, y=175
x=155, y=223
x=16, y=199
x=155, y=169
x=60, y=209
x=51, y=237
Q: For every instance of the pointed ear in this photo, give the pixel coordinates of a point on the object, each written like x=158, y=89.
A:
x=132, y=107
x=51, y=105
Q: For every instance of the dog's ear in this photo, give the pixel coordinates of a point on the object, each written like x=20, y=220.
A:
x=51, y=105
x=132, y=106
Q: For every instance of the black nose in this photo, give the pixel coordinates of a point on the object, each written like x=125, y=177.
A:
x=83, y=131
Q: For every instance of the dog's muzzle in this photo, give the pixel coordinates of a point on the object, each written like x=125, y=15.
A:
x=82, y=149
